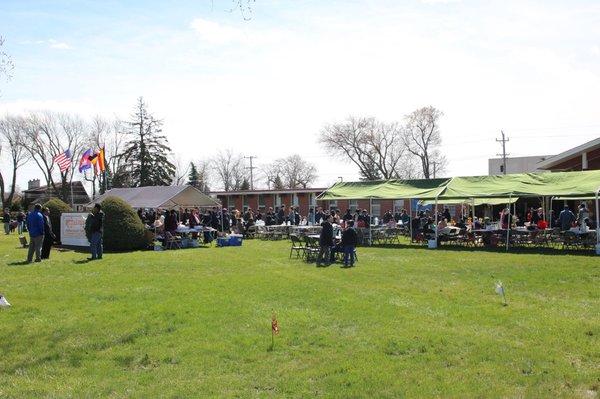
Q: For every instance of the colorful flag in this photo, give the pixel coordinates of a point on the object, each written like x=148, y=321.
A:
x=63, y=160
x=101, y=160
x=84, y=163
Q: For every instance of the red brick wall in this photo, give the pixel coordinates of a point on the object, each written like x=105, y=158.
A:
x=575, y=163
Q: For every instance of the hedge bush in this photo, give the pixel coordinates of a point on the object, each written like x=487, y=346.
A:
x=57, y=207
x=123, y=229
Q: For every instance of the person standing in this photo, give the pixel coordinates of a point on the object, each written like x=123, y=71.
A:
x=566, y=218
x=49, y=236
x=35, y=226
x=94, y=227
x=325, y=241
x=6, y=221
x=349, y=241
x=21, y=222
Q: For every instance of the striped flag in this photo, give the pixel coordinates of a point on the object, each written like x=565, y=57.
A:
x=63, y=160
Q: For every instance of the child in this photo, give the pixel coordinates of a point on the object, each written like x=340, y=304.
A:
x=349, y=241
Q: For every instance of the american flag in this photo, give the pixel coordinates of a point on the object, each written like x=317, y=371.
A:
x=63, y=160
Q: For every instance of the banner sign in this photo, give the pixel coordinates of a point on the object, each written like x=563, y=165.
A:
x=72, y=229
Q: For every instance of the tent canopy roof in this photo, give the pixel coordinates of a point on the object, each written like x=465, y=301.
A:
x=568, y=184
x=160, y=197
x=385, y=189
x=470, y=201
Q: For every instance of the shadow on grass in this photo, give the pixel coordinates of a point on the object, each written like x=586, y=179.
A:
x=82, y=261
x=20, y=263
x=518, y=250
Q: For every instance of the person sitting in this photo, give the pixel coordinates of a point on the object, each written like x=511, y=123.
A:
x=442, y=224
x=171, y=222
x=446, y=214
x=387, y=216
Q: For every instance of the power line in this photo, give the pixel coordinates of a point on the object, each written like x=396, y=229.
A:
x=504, y=154
x=251, y=157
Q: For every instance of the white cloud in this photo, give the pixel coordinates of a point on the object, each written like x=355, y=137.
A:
x=215, y=33
x=58, y=45
x=595, y=50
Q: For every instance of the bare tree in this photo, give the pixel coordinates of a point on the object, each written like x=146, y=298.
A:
x=422, y=138
x=229, y=169
x=203, y=169
x=374, y=146
x=49, y=134
x=290, y=172
x=6, y=63
x=12, y=131
x=182, y=169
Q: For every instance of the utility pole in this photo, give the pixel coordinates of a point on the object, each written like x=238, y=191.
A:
x=434, y=167
x=503, y=140
x=251, y=157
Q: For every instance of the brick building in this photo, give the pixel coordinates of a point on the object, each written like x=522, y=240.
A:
x=304, y=198
x=583, y=157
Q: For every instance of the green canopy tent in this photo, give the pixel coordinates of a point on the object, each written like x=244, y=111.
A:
x=385, y=189
x=562, y=184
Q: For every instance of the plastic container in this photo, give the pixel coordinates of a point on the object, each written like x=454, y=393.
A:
x=235, y=240
x=432, y=244
x=222, y=241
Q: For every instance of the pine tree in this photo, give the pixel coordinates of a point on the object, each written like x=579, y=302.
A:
x=194, y=176
x=278, y=183
x=146, y=152
x=245, y=185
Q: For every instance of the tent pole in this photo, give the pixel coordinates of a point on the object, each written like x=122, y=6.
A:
x=509, y=222
x=410, y=219
x=369, y=220
x=473, y=213
x=597, y=220
x=436, y=220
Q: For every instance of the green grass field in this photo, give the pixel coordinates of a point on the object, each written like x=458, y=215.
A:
x=196, y=322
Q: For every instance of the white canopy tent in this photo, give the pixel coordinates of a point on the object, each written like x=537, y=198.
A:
x=167, y=197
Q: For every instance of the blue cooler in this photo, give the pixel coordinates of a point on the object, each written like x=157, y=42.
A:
x=222, y=241
x=235, y=240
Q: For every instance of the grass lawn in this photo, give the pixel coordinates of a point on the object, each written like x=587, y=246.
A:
x=196, y=322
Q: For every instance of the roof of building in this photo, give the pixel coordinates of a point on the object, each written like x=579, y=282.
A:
x=271, y=192
x=160, y=197
x=569, y=154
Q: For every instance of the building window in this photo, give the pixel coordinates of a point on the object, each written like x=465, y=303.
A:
x=245, y=202
x=376, y=208
x=353, y=204
x=333, y=204
x=295, y=201
x=261, y=201
x=501, y=168
x=398, y=205
x=277, y=200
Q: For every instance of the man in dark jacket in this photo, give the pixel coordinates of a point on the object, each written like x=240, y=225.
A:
x=35, y=226
x=566, y=218
x=49, y=236
x=349, y=241
x=94, y=228
x=325, y=241
x=6, y=221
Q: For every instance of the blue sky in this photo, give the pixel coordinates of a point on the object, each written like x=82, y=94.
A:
x=265, y=86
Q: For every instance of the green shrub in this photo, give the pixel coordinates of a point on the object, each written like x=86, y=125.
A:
x=57, y=207
x=123, y=229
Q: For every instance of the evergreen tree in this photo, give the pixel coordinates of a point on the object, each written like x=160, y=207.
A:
x=278, y=183
x=245, y=185
x=194, y=176
x=146, y=153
